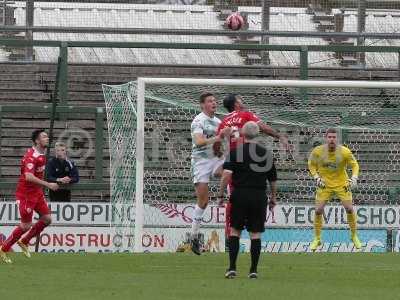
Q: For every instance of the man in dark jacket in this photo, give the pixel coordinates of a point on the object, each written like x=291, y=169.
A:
x=63, y=171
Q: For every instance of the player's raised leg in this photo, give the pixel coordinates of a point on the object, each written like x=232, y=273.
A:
x=35, y=230
x=202, y=170
x=26, y=213
x=45, y=220
x=202, y=202
x=12, y=239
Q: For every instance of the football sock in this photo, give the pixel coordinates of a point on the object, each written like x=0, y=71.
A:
x=196, y=220
x=233, y=251
x=352, y=220
x=12, y=239
x=255, y=249
x=34, y=231
x=318, y=226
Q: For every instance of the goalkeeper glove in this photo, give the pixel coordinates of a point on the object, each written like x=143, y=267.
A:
x=353, y=181
x=318, y=181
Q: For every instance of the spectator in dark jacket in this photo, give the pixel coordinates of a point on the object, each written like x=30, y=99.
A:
x=63, y=171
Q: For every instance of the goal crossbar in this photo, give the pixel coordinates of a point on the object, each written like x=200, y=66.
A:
x=270, y=83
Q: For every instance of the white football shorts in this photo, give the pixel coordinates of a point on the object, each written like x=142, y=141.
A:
x=204, y=168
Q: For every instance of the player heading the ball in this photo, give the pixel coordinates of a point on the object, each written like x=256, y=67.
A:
x=237, y=117
x=206, y=161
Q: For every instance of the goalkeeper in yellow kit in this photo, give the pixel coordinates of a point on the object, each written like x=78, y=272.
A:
x=327, y=164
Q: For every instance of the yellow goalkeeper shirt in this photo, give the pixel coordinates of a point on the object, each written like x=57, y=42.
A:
x=331, y=165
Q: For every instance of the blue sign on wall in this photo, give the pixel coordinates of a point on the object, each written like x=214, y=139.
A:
x=334, y=240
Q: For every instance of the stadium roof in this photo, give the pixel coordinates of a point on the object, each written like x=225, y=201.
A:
x=189, y=17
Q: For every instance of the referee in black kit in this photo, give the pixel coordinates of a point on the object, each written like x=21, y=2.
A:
x=248, y=167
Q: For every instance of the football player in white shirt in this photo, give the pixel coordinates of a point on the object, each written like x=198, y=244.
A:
x=206, y=160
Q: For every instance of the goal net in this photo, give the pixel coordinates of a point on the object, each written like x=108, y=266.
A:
x=150, y=148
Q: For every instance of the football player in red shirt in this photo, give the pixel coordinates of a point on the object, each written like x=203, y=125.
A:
x=236, y=118
x=29, y=196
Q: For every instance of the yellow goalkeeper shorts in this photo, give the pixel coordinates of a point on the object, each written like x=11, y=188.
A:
x=343, y=193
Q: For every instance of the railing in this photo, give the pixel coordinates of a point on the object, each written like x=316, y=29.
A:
x=202, y=32
x=303, y=51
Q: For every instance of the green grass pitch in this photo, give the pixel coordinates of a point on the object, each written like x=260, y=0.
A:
x=185, y=276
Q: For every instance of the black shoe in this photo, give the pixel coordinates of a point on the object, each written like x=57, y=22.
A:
x=195, y=246
x=253, y=275
x=230, y=274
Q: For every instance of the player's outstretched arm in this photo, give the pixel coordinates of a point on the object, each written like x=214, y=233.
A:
x=268, y=130
x=32, y=178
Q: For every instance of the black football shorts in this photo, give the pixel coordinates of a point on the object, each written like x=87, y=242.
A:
x=249, y=209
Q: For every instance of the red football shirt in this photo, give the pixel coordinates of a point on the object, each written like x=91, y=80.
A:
x=33, y=162
x=236, y=121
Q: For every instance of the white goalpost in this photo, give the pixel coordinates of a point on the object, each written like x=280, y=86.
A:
x=365, y=112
